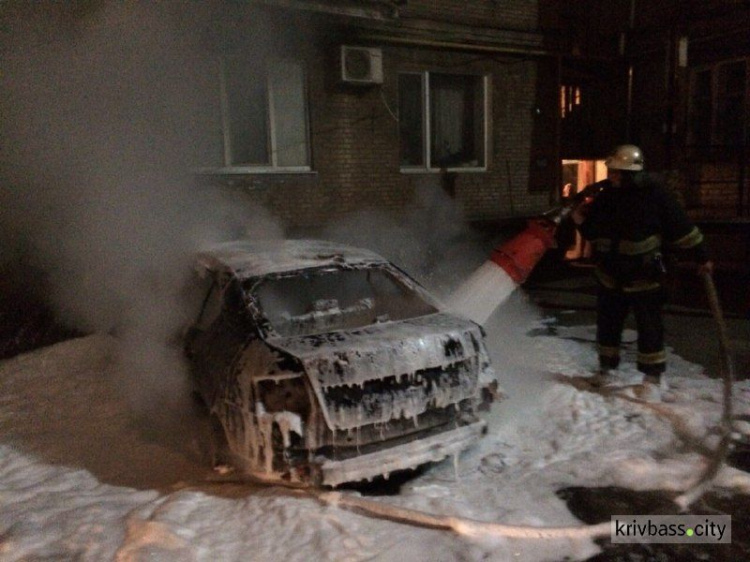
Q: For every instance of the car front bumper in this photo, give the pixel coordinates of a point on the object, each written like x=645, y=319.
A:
x=409, y=455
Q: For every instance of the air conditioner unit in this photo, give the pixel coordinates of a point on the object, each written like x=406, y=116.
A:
x=361, y=65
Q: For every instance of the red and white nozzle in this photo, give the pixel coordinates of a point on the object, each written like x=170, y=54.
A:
x=512, y=262
x=519, y=256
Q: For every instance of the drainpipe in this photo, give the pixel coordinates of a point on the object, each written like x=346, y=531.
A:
x=670, y=77
x=385, y=37
x=623, y=48
x=558, y=136
x=741, y=209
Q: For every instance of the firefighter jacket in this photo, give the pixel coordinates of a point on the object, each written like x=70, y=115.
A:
x=630, y=226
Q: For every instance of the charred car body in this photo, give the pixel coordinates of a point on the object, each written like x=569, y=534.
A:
x=322, y=364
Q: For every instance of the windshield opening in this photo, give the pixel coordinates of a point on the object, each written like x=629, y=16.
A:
x=319, y=301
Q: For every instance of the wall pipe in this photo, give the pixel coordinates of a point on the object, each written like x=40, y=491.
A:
x=472, y=47
x=629, y=102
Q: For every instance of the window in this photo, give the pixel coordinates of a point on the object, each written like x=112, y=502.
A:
x=700, y=119
x=576, y=175
x=309, y=302
x=730, y=103
x=570, y=99
x=264, y=115
x=442, y=120
x=718, y=104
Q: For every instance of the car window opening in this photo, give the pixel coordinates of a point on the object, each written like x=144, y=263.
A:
x=316, y=302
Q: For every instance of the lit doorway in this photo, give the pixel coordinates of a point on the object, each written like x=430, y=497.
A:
x=576, y=175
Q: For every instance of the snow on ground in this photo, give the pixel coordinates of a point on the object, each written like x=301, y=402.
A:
x=82, y=478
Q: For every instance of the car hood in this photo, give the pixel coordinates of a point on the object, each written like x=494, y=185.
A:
x=390, y=370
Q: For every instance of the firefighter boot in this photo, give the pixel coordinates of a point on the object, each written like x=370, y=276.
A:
x=654, y=388
x=602, y=378
x=649, y=390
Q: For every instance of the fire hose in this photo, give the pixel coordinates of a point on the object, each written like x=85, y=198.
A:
x=460, y=525
x=520, y=255
x=517, y=258
x=726, y=367
x=474, y=528
x=471, y=527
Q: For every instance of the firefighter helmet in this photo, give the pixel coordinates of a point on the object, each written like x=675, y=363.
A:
x=627, y=157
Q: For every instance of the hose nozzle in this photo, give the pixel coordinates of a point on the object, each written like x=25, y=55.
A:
x=558, y=214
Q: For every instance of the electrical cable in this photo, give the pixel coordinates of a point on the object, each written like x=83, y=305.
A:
x=388, y=107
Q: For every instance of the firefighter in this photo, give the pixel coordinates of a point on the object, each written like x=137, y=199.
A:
x=630, y=223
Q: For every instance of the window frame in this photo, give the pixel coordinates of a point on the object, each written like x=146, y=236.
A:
x=571, y=96
x=272, y=167
x=426, y=125
x=715, y=136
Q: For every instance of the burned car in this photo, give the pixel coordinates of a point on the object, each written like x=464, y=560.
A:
x=322, y=364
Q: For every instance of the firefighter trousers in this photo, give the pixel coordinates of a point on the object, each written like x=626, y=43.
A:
x=613, y=307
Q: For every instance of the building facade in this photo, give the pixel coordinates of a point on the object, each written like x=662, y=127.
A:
x=324, y=109
x=318, y=109
x=675, y=81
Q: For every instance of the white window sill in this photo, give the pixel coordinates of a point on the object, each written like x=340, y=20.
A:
x=248, y=170
x=440, y=170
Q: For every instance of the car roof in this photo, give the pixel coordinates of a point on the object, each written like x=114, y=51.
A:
x=247, y=258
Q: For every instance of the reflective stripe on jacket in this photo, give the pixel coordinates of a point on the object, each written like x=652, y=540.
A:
x=628, y=228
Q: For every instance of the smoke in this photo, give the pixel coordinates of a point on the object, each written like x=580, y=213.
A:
x=432, y=241
x=100, y=137
x=104, y=120
x=435, y=243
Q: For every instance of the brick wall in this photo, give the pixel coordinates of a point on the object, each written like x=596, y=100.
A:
x=661, y=96
x=509, y=14
x=355, y=139
x=718, y=194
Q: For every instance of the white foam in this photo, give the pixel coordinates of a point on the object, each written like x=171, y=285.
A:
x=480, y=295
